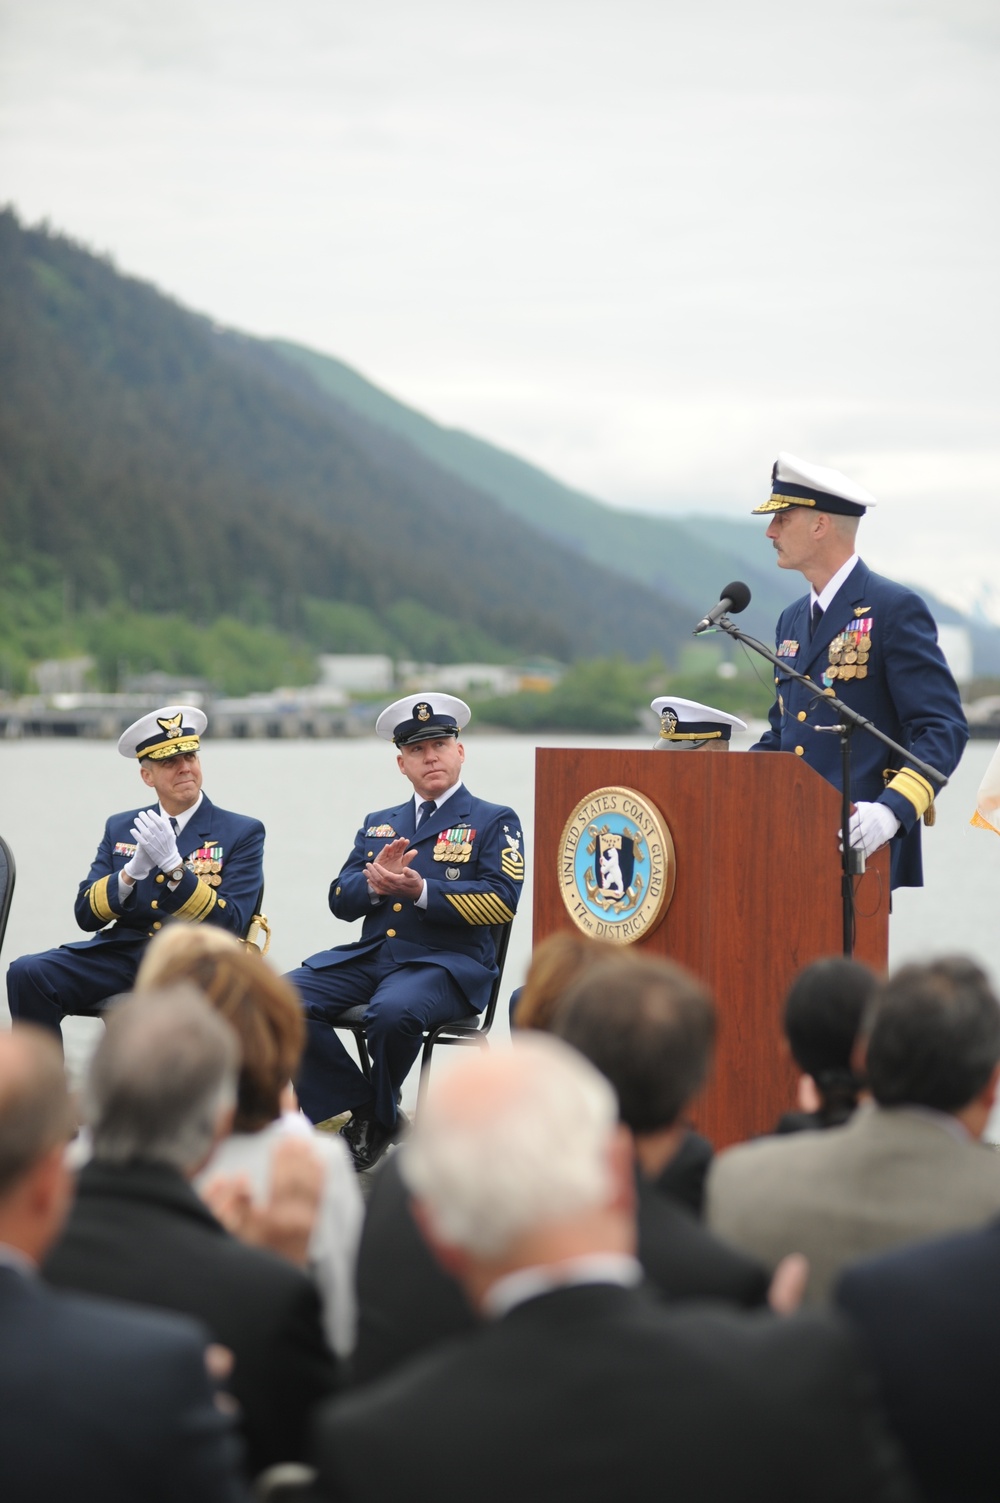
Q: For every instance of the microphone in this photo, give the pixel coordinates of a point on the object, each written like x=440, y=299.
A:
x=735, y=597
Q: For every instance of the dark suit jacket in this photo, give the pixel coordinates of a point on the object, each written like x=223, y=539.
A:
x=907, y=690
x=471, y=854
x=684, y=1260
x=138, y=1232
x=930, y=1315
x=596, y=1393
x=99, y=1404
x=407, y=1303
x=684, y=1177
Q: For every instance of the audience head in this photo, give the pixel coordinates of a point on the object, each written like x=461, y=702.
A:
x=555, y=964
x=823, y=1012
x=648, y=1026
x=933, y=1036
x=516, y=1154
x=261, y=1007
x=36, y=1122
x=162, y=1082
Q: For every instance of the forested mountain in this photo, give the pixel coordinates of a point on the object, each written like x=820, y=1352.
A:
x=175, y=495
x=672, y=555
x=150, y=459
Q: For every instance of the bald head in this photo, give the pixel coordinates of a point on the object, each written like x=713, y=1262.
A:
x=36, y=1113
x=511, y=1144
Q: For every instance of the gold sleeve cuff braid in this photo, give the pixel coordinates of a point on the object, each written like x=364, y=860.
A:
x=480, y=907
x=199, y=905
x=98, y=896
x=913, y=787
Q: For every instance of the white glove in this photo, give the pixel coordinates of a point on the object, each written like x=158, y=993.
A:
x=871, y=826
x=141, y=863
x=155, y=835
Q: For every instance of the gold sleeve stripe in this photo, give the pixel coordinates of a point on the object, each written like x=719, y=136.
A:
x=476, y=907
x=913, y=787
x=98, y=895
x=199, y=905
x=493, y=909
x=480, y=908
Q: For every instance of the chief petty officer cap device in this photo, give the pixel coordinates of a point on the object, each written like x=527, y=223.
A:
x=426, y=717
x=796, y=482
x=165, y=733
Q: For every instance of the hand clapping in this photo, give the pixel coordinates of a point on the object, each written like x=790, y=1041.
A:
x=391, y=874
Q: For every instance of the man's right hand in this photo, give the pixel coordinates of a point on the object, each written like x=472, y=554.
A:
x=390, y=874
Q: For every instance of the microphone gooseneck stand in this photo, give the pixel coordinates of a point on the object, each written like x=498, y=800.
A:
x=852, y=861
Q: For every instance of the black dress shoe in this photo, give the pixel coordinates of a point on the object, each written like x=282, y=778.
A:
x=367, y=1138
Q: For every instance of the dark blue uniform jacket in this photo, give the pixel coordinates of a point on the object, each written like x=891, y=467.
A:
x=907, y=691
x=471, y=854
x=231, y=843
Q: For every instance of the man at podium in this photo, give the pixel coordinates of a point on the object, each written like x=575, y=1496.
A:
x=874, y=644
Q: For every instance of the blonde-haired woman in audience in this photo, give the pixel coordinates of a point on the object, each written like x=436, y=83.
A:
x=263, y=1010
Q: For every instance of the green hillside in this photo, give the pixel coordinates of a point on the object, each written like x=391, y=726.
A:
x=152, y=463
x=182, y=497
x=678, y=557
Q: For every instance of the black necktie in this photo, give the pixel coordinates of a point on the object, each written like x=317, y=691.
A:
x=425, y=811
x=174, y=825
x=817, y=616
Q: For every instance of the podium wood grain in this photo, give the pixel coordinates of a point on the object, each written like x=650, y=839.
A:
x=757, y=897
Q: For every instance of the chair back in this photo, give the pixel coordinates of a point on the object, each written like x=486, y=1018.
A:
x=7, y=875
x=501, y=939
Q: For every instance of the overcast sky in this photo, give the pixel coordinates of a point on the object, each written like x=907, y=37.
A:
x=643, y=243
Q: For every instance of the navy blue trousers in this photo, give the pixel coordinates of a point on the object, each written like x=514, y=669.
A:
x=401, y=1002
x=54, y=984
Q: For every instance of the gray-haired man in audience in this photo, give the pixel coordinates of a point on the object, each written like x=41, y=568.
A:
x=579, y=1385
x=161, y=1090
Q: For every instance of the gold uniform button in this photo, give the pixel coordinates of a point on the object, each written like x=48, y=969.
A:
x=391, y=933
x=800, y=751
x=157, y=925
x=161, y=878
x=370, y=855
x=801, y=715
x=338, y=892
x=154, y=904
x=397, y=907
x=222, y=902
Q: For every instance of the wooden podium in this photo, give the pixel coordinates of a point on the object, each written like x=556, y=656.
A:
x=756, y=898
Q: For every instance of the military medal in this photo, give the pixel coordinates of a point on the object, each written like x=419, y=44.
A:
x=206, y=864
x=454, y=844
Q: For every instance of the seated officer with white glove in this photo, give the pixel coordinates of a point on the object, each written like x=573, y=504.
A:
x=181, y=858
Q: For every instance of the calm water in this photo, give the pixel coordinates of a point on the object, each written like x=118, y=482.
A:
x=311, y=796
